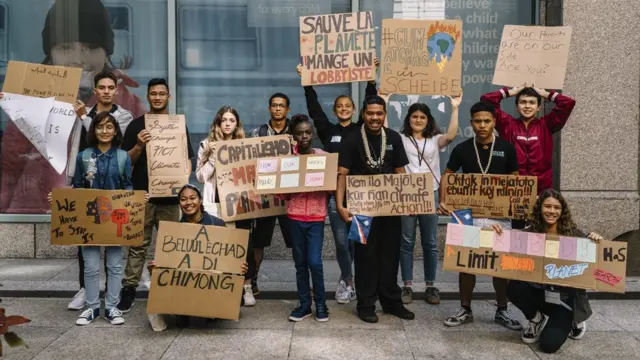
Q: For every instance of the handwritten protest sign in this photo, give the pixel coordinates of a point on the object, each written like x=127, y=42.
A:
x=97, y=217
x=421, y=57
x=295, y=174
x=491, y=196
x=337, y=48
x=390, y=194
x=43, y=81
x=167, y=154
x=236, y=173
x=198, y=270
x=38, y=99
x=539, y=258
x=534, y=55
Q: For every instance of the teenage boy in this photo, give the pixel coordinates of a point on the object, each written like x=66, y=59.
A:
x=278, y=125
x=374, y=150
x=484, y=154
x=105, y=89
x=157, y=209
x=532, y=136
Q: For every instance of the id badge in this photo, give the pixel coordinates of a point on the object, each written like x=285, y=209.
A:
x=336, y=139
x=552, y=297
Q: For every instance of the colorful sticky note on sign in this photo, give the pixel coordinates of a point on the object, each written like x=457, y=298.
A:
x=568, y=248
x=266, y=182
x=535, y=245
x=316, y=163
x=552, y=249
x=519, y=241
x=290, y=164
x=471, y=237
x=314, y=179
x=455, y=234
x=267, y=166
x=486, y=238
x=289, y=180
x=502, y=243
x=586, y=251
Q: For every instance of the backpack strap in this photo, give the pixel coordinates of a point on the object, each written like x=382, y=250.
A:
x=86, y=158
x=264, y=130
x=121, y=156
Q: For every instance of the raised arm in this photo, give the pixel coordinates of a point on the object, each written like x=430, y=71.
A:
x=452, y=131
x=494, y=98
x=560, y=113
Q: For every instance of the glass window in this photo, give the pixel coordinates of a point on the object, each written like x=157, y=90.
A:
x=30, y=35
x=482, y=29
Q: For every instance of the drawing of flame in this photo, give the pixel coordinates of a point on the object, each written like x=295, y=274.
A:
x=442, y=63
x=449, y=29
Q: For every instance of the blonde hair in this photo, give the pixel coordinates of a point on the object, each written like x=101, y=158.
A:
x=215, y=132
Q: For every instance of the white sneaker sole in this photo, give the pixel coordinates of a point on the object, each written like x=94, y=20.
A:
x=116, y=322
x=246, y=304
x=129, y=309
x=322, y=320
x=535, y=340
x=74, y=308
x=291, y=318
x=343, y=301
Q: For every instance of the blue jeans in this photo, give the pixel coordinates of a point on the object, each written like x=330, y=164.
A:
x=344, y=247
x=428, y=228
x=306, y=240
x=115, y=270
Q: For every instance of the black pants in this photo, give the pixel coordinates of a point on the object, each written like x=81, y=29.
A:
x=376, y=265
x=251, y=257
x=264, y=231
x=531, y=300
x=81, y=266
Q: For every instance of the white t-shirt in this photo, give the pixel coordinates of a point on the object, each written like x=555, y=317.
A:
x=431, y=154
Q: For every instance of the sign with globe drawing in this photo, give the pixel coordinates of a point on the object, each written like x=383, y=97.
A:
x=421, y=57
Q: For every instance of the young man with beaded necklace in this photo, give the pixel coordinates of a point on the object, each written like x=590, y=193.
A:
x=484, y=154
x=374, y=150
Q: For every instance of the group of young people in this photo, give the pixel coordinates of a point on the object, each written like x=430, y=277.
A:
x=111, y=155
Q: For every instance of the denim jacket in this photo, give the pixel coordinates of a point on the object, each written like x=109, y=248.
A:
x=103, y=172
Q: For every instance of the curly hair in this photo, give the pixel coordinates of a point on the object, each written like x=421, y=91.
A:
x=566, y=226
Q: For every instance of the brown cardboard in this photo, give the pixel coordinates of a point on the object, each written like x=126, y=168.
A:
x=337, y=48
x=535, y=55
x=236, y=171
x=412, y=58
x=120, y=221
x=491, y=196
x=167, y=154
x=42, y=81
x=297, y=173
x=390, y=194
x=611, y=271
x=195, y=293
x=200, y=247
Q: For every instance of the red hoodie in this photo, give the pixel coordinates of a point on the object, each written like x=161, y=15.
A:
x=534, y=144
x=27, y=177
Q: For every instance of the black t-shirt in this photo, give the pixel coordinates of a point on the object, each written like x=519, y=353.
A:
x=353, y=157
x=140, y=175
x=503, y=161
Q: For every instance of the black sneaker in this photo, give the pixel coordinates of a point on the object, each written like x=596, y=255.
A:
x=432, y=295
x=401, y=312
x=532, y=333
x=504, y=318
x=462, y=316
x=578, y=330
x=254, y=287
x=322, y=313
x=127, y=299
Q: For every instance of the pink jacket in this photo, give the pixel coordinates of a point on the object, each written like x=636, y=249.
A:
x=308, y=206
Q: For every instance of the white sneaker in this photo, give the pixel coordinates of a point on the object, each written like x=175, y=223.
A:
x=79, y=300
x=342, y=294
x=249, y=299
x=157, y=322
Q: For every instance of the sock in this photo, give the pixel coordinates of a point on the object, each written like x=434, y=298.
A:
x=537, y=318
x=502, y=308
x=468, y=308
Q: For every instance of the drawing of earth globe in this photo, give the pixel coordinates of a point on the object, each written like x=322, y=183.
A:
x=441, y=45
x=104, y=209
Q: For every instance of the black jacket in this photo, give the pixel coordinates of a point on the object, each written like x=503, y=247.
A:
x=331, y=134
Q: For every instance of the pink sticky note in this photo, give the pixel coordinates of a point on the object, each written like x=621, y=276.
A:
x=455, y=234
x=314, y=179
x=536, y=244
x=267, y=166
x=568, y=248
x=502, y=243
x=519, y=240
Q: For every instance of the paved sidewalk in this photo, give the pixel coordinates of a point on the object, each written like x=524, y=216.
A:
x=59, y=278
x=263, y=332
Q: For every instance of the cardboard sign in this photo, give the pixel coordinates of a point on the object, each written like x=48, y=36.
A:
x=167, y=154
x=421, y=57
x=296, y=174
x=236, y=173
x=390, y=194
x=491, y=196
x=198, y=270
x=539, y=258
x=43, y=81
x=97, y=217
x=534, y=55
x=337, y=48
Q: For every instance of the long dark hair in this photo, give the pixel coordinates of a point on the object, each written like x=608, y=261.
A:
x=566, y=226
x=92, y=139
x=430, y=130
